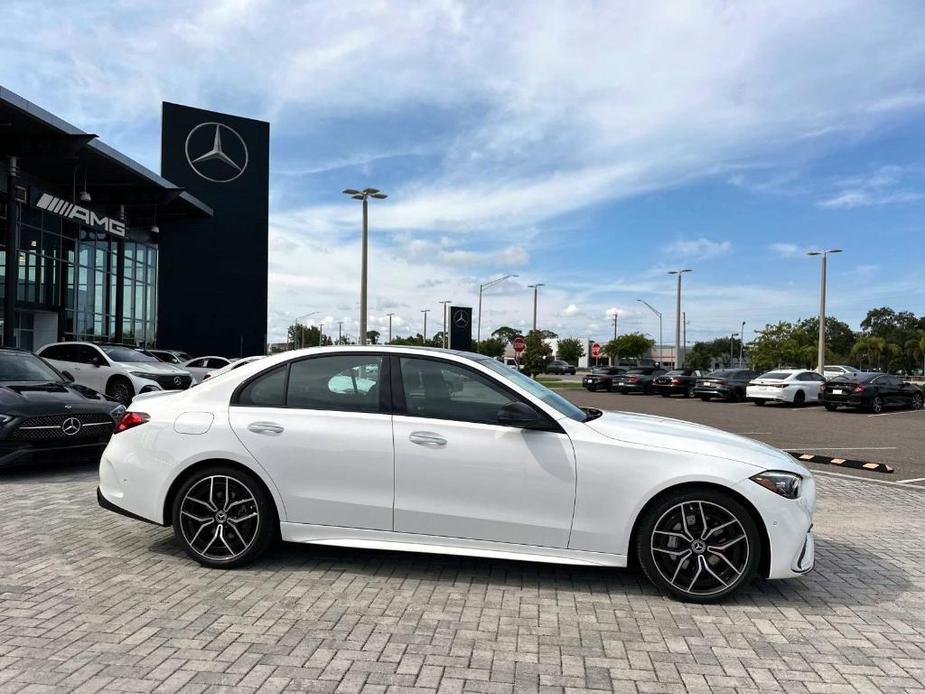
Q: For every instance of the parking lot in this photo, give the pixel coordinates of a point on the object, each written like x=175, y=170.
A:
x=896, y=437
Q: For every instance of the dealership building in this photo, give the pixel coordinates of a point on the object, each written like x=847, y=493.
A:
x=94, y=246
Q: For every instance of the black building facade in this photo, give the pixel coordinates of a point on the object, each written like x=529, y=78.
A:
x=90, y=241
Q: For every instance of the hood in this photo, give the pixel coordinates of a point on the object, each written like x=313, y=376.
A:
x=674, y=434
x=29, y=399
x=158, y=368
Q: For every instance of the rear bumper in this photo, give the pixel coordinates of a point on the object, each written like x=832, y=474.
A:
x=752, y=394
x=109, y=506
x=671, y=389
x=632, y=387
x=712, y=392
x=846, y=400
x=16, y=453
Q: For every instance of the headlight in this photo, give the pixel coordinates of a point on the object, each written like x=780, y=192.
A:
x=143, y=374
x=787, y=484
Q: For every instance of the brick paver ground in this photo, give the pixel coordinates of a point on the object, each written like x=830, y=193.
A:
x=91, y=601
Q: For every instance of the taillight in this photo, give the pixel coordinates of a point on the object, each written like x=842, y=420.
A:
x=633, y=379
x=676, y=381
x=130, y=420
x=859, y=389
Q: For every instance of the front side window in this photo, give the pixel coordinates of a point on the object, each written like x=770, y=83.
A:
x=441, y=390
x=344, y=383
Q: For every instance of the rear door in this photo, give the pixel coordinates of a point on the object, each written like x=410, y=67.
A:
x=322, y=427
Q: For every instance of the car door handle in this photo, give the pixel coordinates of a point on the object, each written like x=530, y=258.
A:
x=427, y=438
x=268, y=428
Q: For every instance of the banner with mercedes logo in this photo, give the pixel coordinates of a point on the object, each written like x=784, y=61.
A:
x=461, y=328
x=213, y=299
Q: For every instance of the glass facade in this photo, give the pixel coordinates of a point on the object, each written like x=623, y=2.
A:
x=72, y=271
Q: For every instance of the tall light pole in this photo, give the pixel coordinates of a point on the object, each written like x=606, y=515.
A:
x=535, y=288
x=684, y=324
x=425, y=312
x=732, y=346
x=390, y=325
x=659, y=314
x=340, y=325
x=742, y=346
x=482, y=287
x=677, y=319
x=615, y=314
x=446, y=337
x=302, y=332
x=821, y=356
x=364, y=195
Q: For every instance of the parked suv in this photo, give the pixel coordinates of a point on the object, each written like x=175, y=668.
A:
x=638, y=380
x=677, y=382
x=557, y=366
x=116, y=370
x=728, y=384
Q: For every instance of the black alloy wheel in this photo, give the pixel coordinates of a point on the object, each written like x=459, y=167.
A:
x=689, y=393
x=799, y=398
x=917, y=402
x=120, y=389
x=876, y=405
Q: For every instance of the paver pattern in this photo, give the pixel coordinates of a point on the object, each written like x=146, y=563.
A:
x=91, y=601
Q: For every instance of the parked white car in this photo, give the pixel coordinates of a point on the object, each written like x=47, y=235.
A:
x=796, y=386
x=235, y=364
x=830, y=371
x=118, y=371
x=425, y=450
x=200, y=367
x=171, y=356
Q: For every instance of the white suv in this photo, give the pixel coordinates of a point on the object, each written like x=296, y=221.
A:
x=116, y=370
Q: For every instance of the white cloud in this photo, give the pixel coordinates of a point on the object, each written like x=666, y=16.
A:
x=570, y=310
x=786, y=250
x=700, y=248
x=884, y=186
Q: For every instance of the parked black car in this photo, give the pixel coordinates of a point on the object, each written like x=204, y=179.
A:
x=601, y=377
x=728, y=384
x=677, y=382
x=557, y=366
x=640, y=379
x=870, y=391
x=45, y=416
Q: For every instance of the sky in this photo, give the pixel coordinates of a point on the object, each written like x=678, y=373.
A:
x=588, y=146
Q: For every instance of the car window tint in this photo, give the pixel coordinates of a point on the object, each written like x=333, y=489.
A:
x=86, y=354
x=266, y=390
x=345, y=383
x=440, y=390
x=58, y=352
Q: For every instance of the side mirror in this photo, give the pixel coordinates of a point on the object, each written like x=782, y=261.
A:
x=96, y=361
x=519, y=414
x=68, y=376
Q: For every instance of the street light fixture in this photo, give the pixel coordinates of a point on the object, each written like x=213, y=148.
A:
x=446, y=337
x=659, y=314
x=820, y=367
x=390, y=325
x=301, y=332
x=535, y=287
x=364, y=196
x=677, y=319
x=482, y=287
x=742, y=346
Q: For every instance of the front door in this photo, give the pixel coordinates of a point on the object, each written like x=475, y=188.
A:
x=320, y=426
x=460, y=474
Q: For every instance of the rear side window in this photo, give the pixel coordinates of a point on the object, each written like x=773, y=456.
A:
x=266, y=390
x=344, y=383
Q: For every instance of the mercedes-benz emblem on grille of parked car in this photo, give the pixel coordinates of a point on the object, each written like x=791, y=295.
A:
x=460, y=319
x=177, y=380
x=70, y=426
x=216, y=152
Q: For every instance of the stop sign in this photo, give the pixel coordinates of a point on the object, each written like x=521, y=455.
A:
x=519, y=344
x=595, y=350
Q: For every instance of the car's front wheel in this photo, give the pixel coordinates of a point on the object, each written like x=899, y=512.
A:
x=916, y=403
x=698, y=545
x=120, y=389
x=223, y=517
x=876, y=405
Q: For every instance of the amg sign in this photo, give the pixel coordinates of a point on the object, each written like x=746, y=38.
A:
x=76, y=213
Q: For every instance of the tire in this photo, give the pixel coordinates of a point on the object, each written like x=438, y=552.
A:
x=705, y=398
x=759, y=402
x=610, y=388
x=689, y=393
x=243, y=498
x=665, y=395
x=830, y=406
x=592, y=389
x=916, y=403
x=120, y=388
x=876, y=405
x=799, y=398
x=683, y=513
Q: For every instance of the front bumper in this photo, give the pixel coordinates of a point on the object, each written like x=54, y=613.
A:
x=19, y=453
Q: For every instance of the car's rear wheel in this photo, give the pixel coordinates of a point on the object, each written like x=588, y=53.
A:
x=690, y=392
x=705, y=398
x=223, y=517
x=799, y=398
x=759, y=402
x=698, y=545
x=916, y=401
x=876, y=405
x=120, y=389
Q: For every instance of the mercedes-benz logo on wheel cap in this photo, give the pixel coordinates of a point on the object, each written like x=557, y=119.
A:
x=216, y=152
x=70, y=426
x=460, y=319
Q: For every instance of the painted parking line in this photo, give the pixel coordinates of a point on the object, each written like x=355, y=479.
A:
x=839, y=448
x=914, y=479
x=890, y=414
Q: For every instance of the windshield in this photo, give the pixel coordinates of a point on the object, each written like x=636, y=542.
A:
x=22, y=366
x=124, y=354
x=541, y=392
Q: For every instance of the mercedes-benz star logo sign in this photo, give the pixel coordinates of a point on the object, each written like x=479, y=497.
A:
x=70, y=426
x=177, y=380
x=216, y=152
x=460, y=320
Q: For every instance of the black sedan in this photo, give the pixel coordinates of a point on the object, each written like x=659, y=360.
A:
x=677, y=382
x=640, y=379
x=46, y=417
x=601, y=377
x=870, y=391
x=557, y=366
x=728, y=384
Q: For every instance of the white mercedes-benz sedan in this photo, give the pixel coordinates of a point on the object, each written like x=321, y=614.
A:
x=431, y=450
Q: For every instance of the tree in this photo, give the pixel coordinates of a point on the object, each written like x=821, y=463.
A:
x=492, y=347
x=506, y=334
x=571, y=349
x=299, y=336
x=372, y=337
x=548, y=335
x=839, y=337
x=703, y=355
x=536, y=355
x=628, y=346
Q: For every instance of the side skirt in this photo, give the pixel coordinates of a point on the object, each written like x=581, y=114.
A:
x=430, y=544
